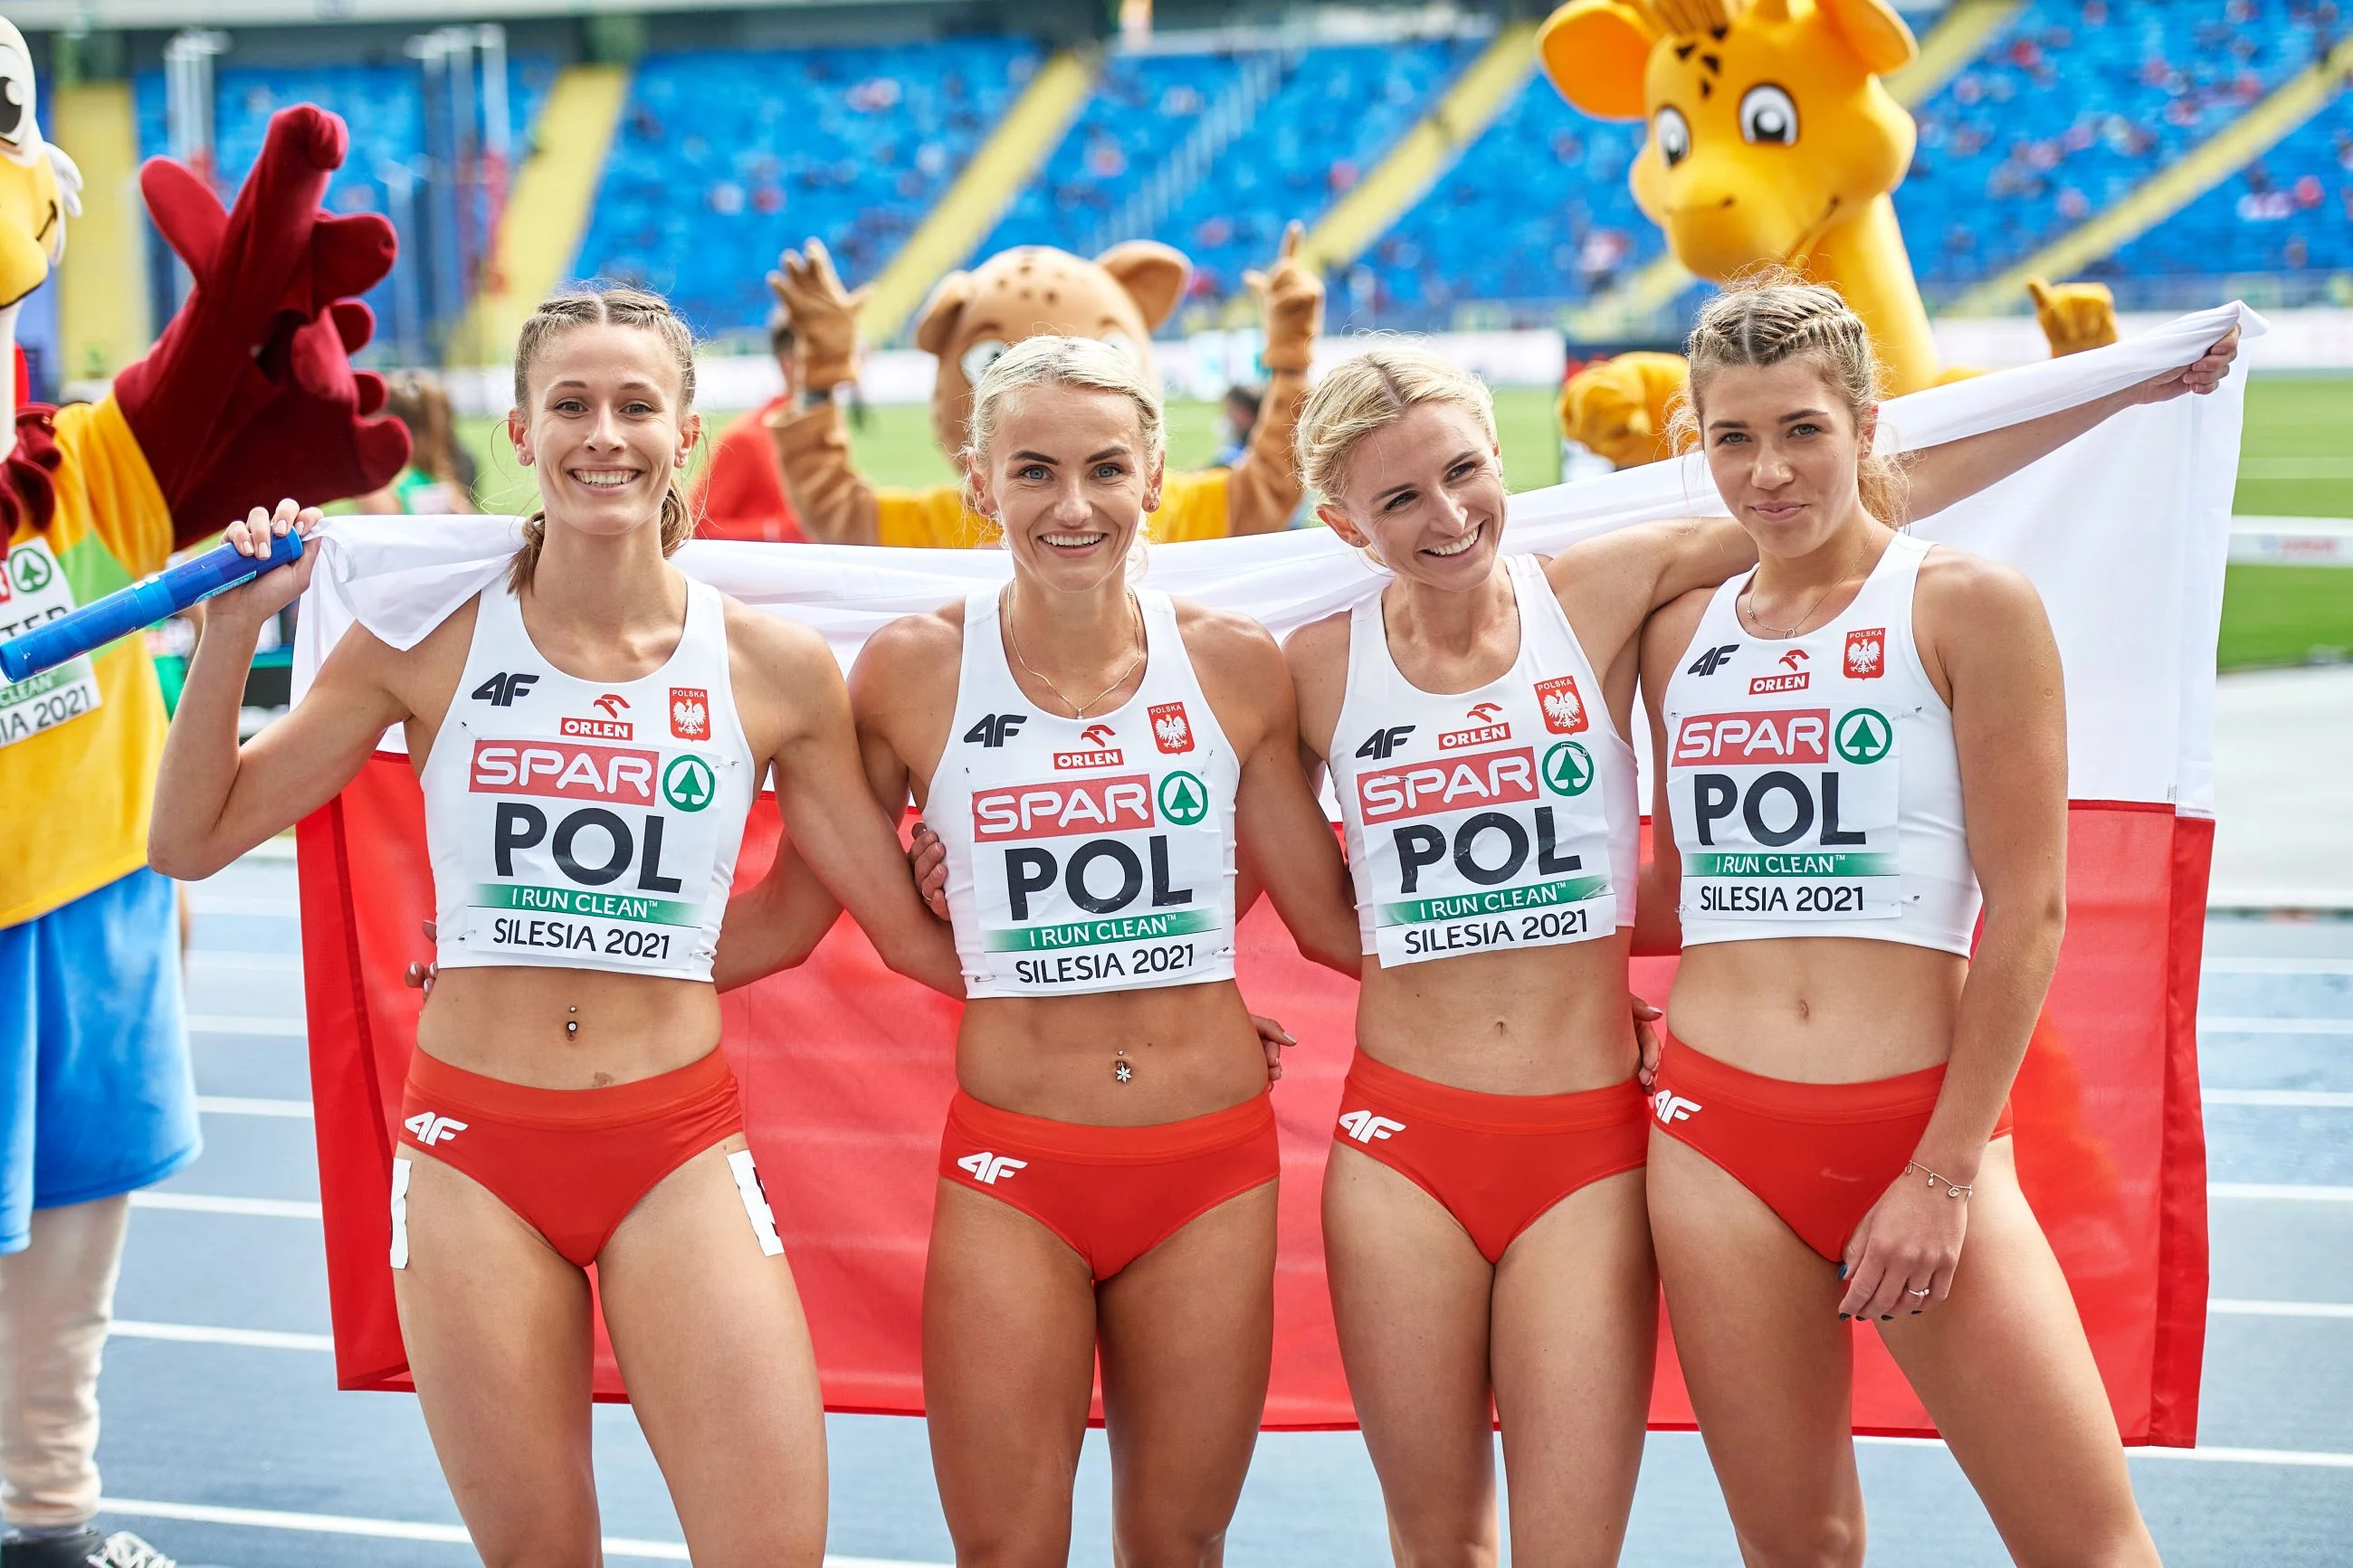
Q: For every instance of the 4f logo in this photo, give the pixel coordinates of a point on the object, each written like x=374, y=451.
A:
x=501, y=689
x=1711, y=661
x=994, y=728
x=1367, y=1128
x=432, y=1128
x=1866, y=654
x=1673, y=1108
x=1381, y=743
x=988, y=1169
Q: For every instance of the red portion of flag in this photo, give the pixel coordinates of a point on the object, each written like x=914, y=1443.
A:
x=846, y=1070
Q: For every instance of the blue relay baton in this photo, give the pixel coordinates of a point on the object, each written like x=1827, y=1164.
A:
x=142, y=603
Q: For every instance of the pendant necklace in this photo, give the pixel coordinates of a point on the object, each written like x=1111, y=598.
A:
x=1078, y=709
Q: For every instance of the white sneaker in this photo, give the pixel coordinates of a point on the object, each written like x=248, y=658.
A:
x=124, y=1550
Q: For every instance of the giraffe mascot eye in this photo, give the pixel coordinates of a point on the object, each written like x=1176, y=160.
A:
x=17, y=124
x=1769, y=117
x=1672, y=133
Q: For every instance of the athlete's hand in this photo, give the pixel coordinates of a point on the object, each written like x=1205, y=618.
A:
x=1646, y=1041
x=825, y=315
x=1271, y=1038
x=251, y=603
x=928, y=859
x=421, y=976
x=2201, y=375
x=1911, y=1240
x=1290, y=303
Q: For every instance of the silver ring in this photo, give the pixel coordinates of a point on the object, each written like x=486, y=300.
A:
x=1923, y=1291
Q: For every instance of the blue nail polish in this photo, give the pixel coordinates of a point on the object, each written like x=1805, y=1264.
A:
x=1842, y=1271
x=1844, y=1316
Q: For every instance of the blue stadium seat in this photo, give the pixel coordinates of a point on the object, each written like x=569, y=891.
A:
x=2289, y=211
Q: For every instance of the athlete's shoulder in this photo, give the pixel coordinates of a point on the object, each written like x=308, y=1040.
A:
x=1957, y=578
x=1320, y=642
x=772, y=639
x=1226, y=636
x=912, y=653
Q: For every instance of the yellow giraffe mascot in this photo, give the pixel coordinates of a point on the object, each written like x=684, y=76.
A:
x=1772, y=140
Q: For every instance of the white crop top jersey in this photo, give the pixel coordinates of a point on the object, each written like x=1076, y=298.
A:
x=1091, y=854
x=580, y=825
x=1506, y=816
x=1813, y=780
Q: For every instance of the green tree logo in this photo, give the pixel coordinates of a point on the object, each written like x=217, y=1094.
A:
x=1184, y=799
x=30, y=571
x=1864, y=735
x=1569, y=769
x=688, y=784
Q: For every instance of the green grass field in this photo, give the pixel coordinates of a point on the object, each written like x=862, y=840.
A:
x=2297, y=461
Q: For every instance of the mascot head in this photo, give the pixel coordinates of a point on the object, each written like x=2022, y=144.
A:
x=39, y=187
x=1768, y=125
x=1031, y=290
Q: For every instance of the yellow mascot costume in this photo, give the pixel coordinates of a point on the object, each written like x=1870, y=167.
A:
x=1772, y=140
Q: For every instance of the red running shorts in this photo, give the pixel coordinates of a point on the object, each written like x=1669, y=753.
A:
x=1497, y=1163
x=572, y=1164
x=1818, y=1155
x=1113, y=1194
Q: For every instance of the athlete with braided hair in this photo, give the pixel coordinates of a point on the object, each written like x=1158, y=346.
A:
x=589, y=734
x=1861, y=746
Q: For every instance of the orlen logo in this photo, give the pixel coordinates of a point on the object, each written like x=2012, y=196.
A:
x=1564, y=708
x=611, y=727
x=1798, y=679
x=689, y=712
x=1866, y=654
x=565, y=773
x=1485, y=728
x=1100, y=753
x=1457, y=784
x=1061, y=806
x=1753, y=740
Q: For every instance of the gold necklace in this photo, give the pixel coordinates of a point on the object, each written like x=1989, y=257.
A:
x=1744, y=604
x=1078, y=709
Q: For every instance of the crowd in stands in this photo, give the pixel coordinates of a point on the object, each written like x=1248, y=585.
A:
x=2290, y=211
x=724, y=158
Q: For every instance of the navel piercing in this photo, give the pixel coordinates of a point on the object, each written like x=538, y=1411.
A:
x=571, y=1026
x=1121, y=1070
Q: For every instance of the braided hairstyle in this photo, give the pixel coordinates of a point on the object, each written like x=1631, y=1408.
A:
x=1764, y=317
x=618, y=306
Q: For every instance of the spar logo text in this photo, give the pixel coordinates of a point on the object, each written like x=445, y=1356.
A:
x=1489, y=847
x=1788, y=786
x=592, y=843
x=1104, y=875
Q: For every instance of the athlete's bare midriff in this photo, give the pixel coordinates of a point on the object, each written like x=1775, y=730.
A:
x=1190, y=1050
x=508, y=1022
x=1550, y=1021
x=1818, y=1009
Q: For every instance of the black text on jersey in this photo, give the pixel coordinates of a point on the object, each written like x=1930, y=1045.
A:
x=1381, y=743
x=993, y=729
x=1708, y=663
x=501, y=689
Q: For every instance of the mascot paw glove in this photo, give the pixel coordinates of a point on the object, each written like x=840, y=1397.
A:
x=249, y=394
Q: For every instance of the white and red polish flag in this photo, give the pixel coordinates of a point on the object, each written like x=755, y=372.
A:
x=847, y=1069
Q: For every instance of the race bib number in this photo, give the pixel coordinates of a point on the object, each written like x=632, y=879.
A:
x=1788, y=815
x=593, y=854
x=34, y=592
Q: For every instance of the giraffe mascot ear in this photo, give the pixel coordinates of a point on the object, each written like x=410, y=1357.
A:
x=1596, y=51
x=1153, y=274
x=1873, y=29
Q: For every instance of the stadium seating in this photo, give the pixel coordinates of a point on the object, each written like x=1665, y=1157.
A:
x=1537, y=210
x=2070, y=106
x=723, y=159
x=2290, y=211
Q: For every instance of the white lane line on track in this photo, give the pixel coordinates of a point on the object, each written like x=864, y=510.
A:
x=243, y=1105
x=403, y=1529
x=2275, y=1025
x=2280, y=1309
x=2294, y=1456
x=206, y=903
x=2279, y=1192
x=206, y=1203
x=2289, y=1099
x=223, y=1024
x=250, y=963
x=2279, y=966
x=203, y=1334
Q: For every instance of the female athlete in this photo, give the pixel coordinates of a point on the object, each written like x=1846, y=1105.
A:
x=1862, y=746
x=1093, y=758
x=589, y=734
x=1485, y=1221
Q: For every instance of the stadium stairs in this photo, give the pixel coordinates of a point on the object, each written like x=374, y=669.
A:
x=2224, y=153
x=547, y=212
x=1022, y=140
x=102, y=293
x=1179, y=174
x=1426, y=151
x=1958, y=34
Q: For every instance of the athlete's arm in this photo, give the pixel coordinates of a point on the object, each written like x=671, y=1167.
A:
x=1666, y=640
x=214, y=799
x=1609, y=584
x=840, y=836
x=1987, y=645
x=1283, y=836
x=1941, y=475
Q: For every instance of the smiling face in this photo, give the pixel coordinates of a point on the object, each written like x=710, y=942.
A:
x=1762, y=138
x=1784, y=450
x=1068, y=477
x=605, y=426
x=1425, y=494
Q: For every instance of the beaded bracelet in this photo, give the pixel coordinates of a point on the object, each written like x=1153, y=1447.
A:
x=1952, y=1189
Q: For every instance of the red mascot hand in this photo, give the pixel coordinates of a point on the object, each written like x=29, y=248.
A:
x=250, y=395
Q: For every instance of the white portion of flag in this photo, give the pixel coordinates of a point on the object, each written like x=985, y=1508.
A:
x=2125, y=531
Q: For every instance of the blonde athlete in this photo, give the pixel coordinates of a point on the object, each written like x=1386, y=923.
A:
x=589, y=734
